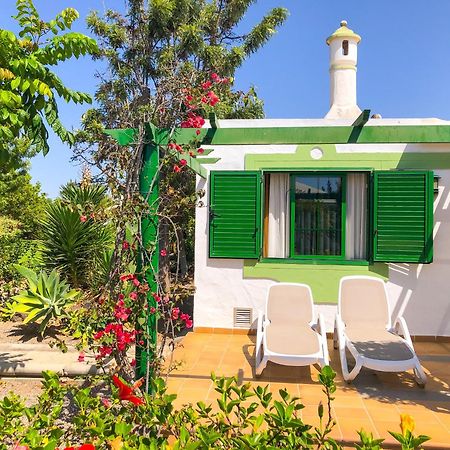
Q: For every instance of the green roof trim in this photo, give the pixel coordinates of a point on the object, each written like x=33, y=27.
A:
x=344, y=32
x=389, y=134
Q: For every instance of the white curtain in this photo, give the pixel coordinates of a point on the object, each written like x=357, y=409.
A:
x=278, y=233
x=356, y=219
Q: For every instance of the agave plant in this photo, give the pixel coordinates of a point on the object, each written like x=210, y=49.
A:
x=72, y=243
x=46, y=298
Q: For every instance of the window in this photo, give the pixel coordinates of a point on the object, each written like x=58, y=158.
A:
x=345, y=47
x=318, y=211
x=367, y=215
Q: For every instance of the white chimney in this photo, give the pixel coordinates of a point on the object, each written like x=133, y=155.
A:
x=343, y=59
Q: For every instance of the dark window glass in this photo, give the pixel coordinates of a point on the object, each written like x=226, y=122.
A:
x=345, y=47
x=318, y=215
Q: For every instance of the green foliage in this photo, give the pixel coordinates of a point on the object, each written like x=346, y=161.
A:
x=76, y=235
x=368, y=442
x=46, y=298
x=28, y=87
x=247, y=418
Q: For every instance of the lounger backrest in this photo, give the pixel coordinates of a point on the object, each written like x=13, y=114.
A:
x=290, y=304
x=363, y=301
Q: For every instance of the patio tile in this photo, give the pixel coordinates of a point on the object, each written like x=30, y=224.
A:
x=373, y=401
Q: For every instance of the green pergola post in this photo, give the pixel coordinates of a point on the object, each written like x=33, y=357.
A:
x=149, y=188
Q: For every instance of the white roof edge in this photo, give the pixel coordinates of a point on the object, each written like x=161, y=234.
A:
x=274, y=123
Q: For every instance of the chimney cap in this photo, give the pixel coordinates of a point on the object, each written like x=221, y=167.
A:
x=344, y=32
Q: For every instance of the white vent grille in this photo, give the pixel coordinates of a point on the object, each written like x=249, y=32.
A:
x=242, y=317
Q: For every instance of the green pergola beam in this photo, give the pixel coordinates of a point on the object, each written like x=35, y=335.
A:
x=389, y=134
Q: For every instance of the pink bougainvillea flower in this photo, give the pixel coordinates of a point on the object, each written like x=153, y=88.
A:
x=126, y=277
x=200, y=150
x=125, y=245
x=18, y=446
x=136, y=282
x=156, y=297
x=204, y=99
x=106, y=402
x=133, y=362
x=121, y=297
x=206, y=85
x=133, y=295
x=163, y=252
x=152, y=310
x=83, y=218
x=98, y=335
x=197, y=132
x=188, y=323
x=176, y=168
x=183, y=162
x=212, y=98
x=175, y=313
x=126, y=392
x=81, y=357
x=215, y=77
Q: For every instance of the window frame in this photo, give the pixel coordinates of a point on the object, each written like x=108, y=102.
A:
x=311, y=258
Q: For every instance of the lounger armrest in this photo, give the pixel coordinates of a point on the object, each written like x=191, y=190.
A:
x=260, y=328
x=401, y=328
x=340, y=330
x=323, y=338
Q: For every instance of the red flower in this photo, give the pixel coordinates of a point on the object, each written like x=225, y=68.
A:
x=133, y=362
x=156, y=297
x=197, y=132
x=183, y=162
x=83, y=218
x=188, y=323
x=99, y=334
x=17, y=446
x=200, y=150
x=163, y=252
x=215, y=77
x=175, y=313
x=136, y=282
x=81, y=357
x=133, y=296
x=126, y=392
x=152, y=310
x=125, y=245
x=206, y=85
x=212, y=98
x=86, y=447
x=106, y=402
x=176, y=168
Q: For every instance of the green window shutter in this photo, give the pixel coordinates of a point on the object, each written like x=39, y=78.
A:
x=235, y=215
x=403, y=216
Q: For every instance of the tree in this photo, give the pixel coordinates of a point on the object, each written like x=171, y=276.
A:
x=170, y=63
x=28, y=86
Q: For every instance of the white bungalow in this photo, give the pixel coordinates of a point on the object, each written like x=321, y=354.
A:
x=313, y=200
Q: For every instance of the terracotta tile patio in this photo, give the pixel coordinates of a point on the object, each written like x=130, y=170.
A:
x=373, y=401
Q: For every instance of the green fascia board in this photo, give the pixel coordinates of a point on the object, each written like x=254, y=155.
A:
x=323, y=278
x=387, y=134
x=317, y=135
x=302, y=160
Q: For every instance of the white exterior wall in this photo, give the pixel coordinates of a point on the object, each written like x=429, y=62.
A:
x=422, y=292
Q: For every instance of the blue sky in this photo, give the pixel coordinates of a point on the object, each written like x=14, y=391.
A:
x=403, y=66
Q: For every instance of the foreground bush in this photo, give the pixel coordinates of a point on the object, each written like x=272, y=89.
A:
x=120, y=417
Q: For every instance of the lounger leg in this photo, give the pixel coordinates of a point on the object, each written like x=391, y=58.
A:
x=419, y=374
x=335, y=336
x=261, y=366
x=348, y=376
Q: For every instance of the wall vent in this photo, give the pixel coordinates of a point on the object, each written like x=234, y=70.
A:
x=242, y=317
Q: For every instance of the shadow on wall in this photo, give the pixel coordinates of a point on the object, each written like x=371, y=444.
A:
x=422, y=291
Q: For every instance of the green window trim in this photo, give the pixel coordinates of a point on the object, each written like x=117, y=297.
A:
x=292, y=230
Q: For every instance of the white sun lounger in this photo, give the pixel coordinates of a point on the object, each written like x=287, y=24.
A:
x=286, y=332
x=363, y=326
